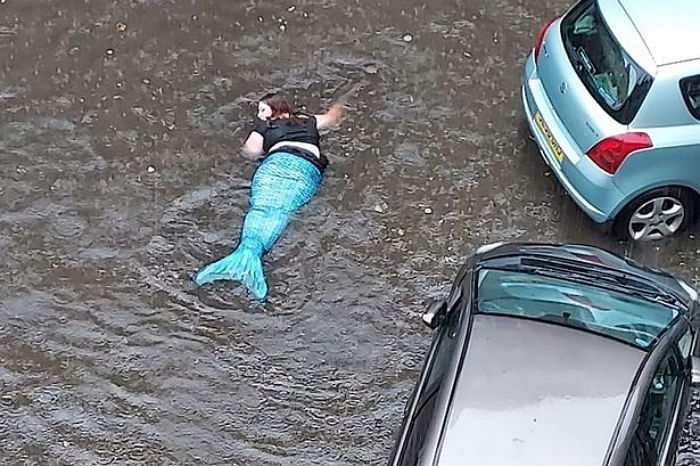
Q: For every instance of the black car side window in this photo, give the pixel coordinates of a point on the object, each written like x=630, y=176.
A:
x=690, y=88
x=441, y=355
x=655, y=420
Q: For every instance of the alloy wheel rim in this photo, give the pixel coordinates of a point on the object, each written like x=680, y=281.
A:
x=657, y=218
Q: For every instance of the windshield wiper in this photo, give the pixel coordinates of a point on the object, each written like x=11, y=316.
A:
x=609, y=279
x=583, y=60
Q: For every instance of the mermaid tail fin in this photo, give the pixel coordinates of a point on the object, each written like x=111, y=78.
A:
x=243, y=265
x=281, y=185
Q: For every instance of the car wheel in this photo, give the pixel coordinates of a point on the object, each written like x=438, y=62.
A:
x=658, y=214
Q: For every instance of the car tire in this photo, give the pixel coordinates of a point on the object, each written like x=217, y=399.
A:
x=657, y=214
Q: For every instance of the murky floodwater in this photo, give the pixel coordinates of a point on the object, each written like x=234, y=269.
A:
x=107, y=356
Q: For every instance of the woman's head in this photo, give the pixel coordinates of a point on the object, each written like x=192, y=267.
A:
x=274, y=107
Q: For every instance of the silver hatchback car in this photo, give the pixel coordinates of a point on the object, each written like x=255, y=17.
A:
x=611, y=93
x=554, y=356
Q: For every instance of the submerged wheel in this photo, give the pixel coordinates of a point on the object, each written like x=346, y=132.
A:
x=658, y=214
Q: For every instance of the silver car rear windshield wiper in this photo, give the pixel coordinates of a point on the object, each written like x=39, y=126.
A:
x=584, y=61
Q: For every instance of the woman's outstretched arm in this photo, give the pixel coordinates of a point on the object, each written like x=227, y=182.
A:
x=334, y=114
x=332, y=117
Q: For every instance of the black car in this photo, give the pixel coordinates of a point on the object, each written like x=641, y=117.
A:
x=554, y=355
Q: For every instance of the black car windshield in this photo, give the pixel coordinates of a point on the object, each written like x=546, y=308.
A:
x=615, y=81
x=628, y=318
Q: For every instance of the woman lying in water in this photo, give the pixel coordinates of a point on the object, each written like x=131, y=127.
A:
x=288, y=177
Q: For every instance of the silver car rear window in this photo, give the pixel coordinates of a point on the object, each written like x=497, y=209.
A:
x=610, y=75
x=595, y=309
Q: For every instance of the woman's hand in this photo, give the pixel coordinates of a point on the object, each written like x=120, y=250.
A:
x=334, y=114
x=332, y=117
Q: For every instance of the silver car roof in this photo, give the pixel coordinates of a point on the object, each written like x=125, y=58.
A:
x=669, y=28
x=536, y=394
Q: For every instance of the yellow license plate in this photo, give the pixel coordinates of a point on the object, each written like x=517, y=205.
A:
x=558, y=153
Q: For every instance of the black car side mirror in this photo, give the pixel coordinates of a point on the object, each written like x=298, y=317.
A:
x=695, y=380
x=435, y=314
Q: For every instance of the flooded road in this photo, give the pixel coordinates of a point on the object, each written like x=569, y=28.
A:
x=120, y=128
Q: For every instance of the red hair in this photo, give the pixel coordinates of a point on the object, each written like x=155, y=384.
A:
x=280, y=107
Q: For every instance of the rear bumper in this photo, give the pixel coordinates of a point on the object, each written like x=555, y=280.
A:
x=591, y=189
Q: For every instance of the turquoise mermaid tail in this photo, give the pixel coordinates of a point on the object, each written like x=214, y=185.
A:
x=281, y=185
x=243, y=265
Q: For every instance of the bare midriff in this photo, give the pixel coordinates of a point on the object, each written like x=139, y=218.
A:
x=299, y=145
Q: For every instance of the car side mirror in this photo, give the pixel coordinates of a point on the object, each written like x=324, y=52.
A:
x=435, y=314
x=695, y=380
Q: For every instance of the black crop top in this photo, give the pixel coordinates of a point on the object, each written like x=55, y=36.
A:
x=275, y=131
